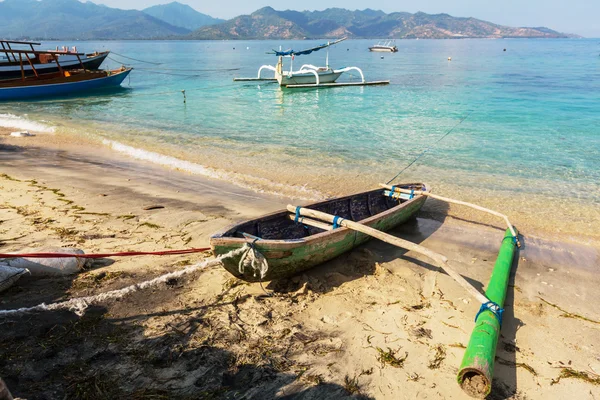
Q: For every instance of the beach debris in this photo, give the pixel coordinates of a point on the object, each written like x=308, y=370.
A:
x=511, y=347
x=21, y=134
x=413, y=376
x=9, y=275
x=516, y=364
x=567, y=314
x=422, y=332
x=389, y=357
x=49, y=266
x=351, y=385
x=440, y=355
x=149, y=225
x=153, y=207
x=574, y=374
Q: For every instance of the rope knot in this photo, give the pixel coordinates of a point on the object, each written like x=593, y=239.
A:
x=253, y=260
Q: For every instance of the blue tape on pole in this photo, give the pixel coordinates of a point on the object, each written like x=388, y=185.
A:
x=392, y=191
x=494, y=308
x=297, y=214
x=412, y=193
x=335, y=222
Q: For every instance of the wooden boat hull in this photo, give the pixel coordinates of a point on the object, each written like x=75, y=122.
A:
x=288, y=257
x=308, y=78
x=65, y=88
x=12, y=70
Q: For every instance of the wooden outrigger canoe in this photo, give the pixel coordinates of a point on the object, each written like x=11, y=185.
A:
x=291, y=247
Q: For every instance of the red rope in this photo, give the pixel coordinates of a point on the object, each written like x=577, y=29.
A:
x=105, y=255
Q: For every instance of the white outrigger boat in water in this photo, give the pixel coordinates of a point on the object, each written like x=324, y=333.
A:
x=308, y=75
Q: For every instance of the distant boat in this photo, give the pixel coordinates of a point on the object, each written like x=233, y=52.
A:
x=61, y=83
x=308, y=75
x=389, y=47
x=11, y=66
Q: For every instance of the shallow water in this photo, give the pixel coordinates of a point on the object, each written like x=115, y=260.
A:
x=523, y=122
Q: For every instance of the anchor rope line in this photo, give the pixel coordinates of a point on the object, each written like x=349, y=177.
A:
x=430, y=147
x=106, y=255
x=187, y=70
x=134, y=59
x=156, y=70
x=79, y=304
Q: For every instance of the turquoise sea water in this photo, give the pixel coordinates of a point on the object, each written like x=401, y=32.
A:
x=531, y=116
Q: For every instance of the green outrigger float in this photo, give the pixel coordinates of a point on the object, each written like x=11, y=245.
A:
x=291, y=247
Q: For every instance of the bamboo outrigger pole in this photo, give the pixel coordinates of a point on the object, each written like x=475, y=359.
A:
x=438, y=259
x=397, y=191
x=477, y=367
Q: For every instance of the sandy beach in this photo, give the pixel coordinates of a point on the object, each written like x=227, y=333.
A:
x=376, y=323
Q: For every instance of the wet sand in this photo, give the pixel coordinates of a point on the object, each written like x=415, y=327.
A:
x=323, y=334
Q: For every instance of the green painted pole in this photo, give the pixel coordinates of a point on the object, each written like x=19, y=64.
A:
x=477, y=367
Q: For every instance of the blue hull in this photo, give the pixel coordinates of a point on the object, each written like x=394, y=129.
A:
x=41, y=92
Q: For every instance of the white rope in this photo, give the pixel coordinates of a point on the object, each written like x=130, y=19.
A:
x=80, y=304
x=255, y=261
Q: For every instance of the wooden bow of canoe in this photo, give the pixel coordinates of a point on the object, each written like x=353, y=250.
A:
x=292, y=247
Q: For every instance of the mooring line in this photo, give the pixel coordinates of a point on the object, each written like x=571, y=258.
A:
x=429, y=148
x=134, y=59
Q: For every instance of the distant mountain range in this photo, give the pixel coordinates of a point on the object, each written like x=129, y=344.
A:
x=72, y=19
x=181, y=15
x=268, y=23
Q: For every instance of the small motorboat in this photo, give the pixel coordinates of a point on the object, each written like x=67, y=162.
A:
x=291, y=246
x=387, y=47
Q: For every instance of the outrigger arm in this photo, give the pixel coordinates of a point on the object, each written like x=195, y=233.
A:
x=438, y=259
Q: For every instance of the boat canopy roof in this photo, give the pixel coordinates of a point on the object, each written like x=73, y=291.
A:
x=38, y=52
x=19, y=42
x=291, y=52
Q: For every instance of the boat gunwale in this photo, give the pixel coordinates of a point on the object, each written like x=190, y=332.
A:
x=218, y=239
x=90, y=57
x=40, y=83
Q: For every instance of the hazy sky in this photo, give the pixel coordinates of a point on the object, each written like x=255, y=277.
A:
x=573, y=16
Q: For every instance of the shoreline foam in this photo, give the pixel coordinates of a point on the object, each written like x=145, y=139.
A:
x=556, y=218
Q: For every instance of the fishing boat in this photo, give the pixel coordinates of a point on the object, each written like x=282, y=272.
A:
x=10, y=64
x=308, y=75
x=61, y=83
x=291, y=245
x=388, y=47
